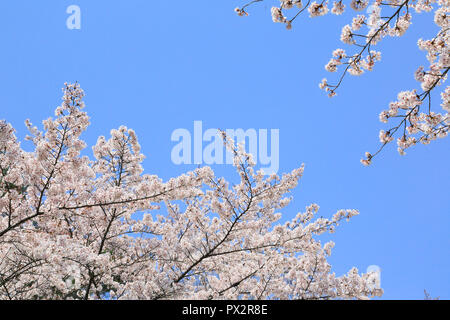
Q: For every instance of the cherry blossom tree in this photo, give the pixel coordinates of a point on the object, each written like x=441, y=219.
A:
x=75, y=227
x=411, y=114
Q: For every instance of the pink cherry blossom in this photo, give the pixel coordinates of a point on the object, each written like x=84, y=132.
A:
x=414, y=121
x=79, y=227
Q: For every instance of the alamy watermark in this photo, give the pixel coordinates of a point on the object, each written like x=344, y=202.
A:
x=74, y=20
x=198, y=147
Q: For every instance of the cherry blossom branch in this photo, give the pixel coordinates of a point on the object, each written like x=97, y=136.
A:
x=215, y=240
x=395, y=24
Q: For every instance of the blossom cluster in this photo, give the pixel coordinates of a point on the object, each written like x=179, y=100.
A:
x=79, y=227
x=375, y=21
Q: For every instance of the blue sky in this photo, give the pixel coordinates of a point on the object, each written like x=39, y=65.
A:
x=156, y=66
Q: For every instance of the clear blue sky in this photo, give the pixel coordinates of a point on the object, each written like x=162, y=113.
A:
x=156, y=66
